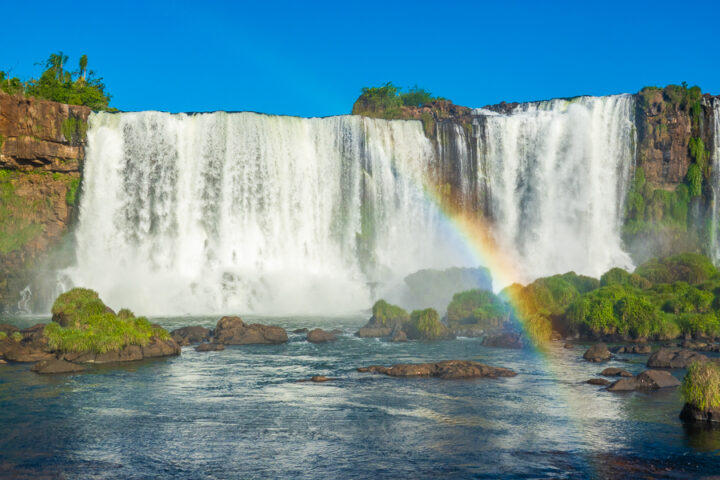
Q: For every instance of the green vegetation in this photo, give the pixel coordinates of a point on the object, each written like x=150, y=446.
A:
x=16, y=227
x=388, y=100
x=426, y=325
x=71, y=195
x=387, y=314
x=701, y=385
x=56, y=83
x=647, y=208
x=477, y=307
x=16, y=336
x=82, y=323
x=692, y=268
x=74, y=129
x=3, y=335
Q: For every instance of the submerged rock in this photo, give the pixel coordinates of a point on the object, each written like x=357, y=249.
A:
x=319, y=335
x=57, y=366
x=642, y=348
x=568, y=346
x=300, y=330
x=598, y=381
x=233, y=331
x=615, y=372
x=449, y=369
x=597, y=353
x=674, y=358
x=210, y=347
x=647, y=380
x=504, y=340
x=190, y=335
x=16, y=351
x=372, y=332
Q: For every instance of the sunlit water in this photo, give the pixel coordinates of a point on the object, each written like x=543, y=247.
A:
x=241, y=413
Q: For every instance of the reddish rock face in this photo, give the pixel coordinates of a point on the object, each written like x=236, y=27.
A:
x=449, y=369
x=233, y=331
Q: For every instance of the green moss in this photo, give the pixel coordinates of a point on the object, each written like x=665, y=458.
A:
x=91, y=327
x=426, y=325
x=74, y=129
x=387, y=314
x=618, y=276
x=687, y=267
x=3, y=335
x=16, y=228
x=477, y=307
x=16, y=336
x=701, y=385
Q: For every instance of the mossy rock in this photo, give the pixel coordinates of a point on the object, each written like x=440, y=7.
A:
x=692, y=268
x=480, y=308
x=73, y=308
x=426, y=325
x=701, y=386
x=387, y=315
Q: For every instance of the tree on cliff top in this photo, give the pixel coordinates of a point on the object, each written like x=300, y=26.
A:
x=58, y=84
x=387, y=100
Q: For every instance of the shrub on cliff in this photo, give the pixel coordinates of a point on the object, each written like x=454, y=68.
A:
x=692, y=268
x=82, y=323
x=618, y=276
x=426, y=325
x=387, y=101
x=478, y=307
x=701, y=385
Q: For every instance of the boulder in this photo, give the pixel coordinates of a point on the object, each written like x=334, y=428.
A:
x=320, y=379
x=597, y=353
x=160, y=348
x=647, y=380
x=190, y=335
x=598, y=381
x=641, y=348
x=336, y=331
x=300, y=330
x=319, y=335
x=233, y=331
x=674, y=358
x=692, y=414
x=504, y=340
x=130, y=353
x=56, y=366
x=568, y=346
x=21, y=352
x=210, y=347
x=615, y=372
x=449, y=369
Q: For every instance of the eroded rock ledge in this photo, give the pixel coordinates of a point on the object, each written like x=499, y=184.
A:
x=448, y=369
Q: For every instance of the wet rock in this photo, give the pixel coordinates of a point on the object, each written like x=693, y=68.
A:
x=300, y=330
x=647, y=380
x=504, y=340
x=19, y=352
x=700, y=346
x=320, y=379
x=210, y=347
x=597, y=353
x=399, y=336
x=336, y=331
x=449, y=369
x=674, y=358
x=160, y=348
x=598, y=381
x=233, y=331
x=634, y=349
x=190, y=335
x=692, y=414
x=319, y=335
x=56, y=366
x=8, y=329
x=371, y=332
x=568, y=346
x=615, y=372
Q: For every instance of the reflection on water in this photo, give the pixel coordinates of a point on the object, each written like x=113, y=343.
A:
x=241, y=413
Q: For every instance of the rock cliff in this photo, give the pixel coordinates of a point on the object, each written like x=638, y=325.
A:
x=41, y=153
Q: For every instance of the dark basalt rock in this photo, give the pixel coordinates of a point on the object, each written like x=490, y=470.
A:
x=190, y=335
x=692, y=414
x=598, y=381
x=635, y=349
x=319, y=335
x=674, y=358
x=597, y=353
x=131, y=353
x=647, y=380
x=615, y=372
x=56, y=366
x=24, y=351
x=210, y=347
x=449, y=369
x=700, y=346
x=233, y=331
x=504, y=340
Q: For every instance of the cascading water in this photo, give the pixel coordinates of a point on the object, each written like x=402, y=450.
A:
x=557, y=173
x=250, y=213
x=254, y=213
x=714, y=234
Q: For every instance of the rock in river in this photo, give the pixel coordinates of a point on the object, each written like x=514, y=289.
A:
x=615, y=372
x=233, y=331
x=57, y=366
x=674, y=358
x=449, y=369
x=647, y=380
x=597, y=353
x=190, y=335
x=210, y=347
x=319, y=335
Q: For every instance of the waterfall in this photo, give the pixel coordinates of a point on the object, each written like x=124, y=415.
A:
x=715, y=156
x=557, y=173
x=250, y=213
x=255, y=213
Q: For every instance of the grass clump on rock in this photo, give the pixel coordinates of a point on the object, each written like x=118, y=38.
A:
x=386, y=314
x=701, y=386
x=426, y=325
x=83, y=323
x=477, y=307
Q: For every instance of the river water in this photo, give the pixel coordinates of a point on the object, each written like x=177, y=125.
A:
x=241, y=413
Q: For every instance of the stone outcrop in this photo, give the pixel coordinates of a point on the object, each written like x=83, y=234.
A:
x=41, y=152
x=674, y=358
x=449, y=369
x=210, y=347
x=190, y=335
x=647, y=380
x=597, y=353
x=233, y=331
x=692, y=414
x=615, y=372
x=57, y=366
x=504, y=340
x=319, y=335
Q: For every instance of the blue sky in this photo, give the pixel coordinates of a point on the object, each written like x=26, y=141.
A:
x=311, y=58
